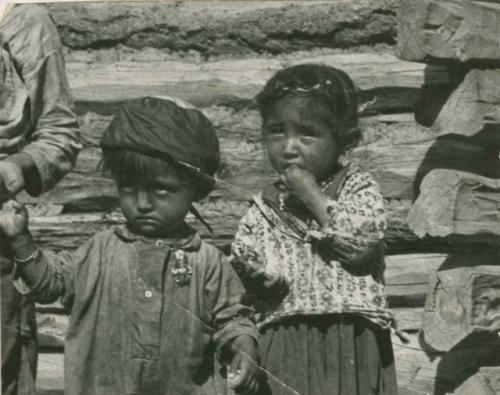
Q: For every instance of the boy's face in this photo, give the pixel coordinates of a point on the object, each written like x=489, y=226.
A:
x=301, y=131
x=156, y=208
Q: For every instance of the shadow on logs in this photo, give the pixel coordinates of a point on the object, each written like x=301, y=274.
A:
x=477, y=154
x=464, y=360
x=433, y=96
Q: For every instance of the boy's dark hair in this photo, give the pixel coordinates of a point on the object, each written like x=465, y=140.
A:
x=333, y=86
x=128, y=166
x=150, y=136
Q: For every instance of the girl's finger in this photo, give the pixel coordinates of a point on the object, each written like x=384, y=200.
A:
x=16, y=205
x=9, y=205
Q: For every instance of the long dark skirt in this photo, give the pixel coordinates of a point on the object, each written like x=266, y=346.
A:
x=337, y=354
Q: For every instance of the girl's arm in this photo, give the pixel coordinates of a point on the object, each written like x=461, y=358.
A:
x=247, y=250
x=354, y=223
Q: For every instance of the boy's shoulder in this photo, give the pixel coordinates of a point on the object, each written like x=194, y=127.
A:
x=208, y=252
x=106, y=236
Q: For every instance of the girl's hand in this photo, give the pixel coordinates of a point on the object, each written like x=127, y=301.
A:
x=243, y=372
x=303, y=185
x=299, y=182
x=13, y=218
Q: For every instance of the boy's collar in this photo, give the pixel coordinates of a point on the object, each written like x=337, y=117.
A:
x=191, y=242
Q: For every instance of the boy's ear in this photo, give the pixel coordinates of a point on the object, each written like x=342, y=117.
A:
x=205, y=184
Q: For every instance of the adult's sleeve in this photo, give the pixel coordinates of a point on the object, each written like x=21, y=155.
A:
x=36, y=48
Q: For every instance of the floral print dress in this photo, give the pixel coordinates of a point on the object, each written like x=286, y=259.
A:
x=304, y=279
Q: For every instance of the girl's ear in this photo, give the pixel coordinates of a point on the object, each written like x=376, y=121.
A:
x=350, y=138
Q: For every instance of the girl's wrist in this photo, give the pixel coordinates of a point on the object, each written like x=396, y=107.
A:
x=316, y=201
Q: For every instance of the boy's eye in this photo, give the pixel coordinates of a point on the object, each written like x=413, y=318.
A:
x=273, y=130
x=163, y=189
x=126, y=188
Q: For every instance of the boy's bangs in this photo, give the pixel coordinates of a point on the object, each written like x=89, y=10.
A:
x=131, y=166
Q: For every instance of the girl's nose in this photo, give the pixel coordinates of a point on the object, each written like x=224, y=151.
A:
x=143, y=201
x=290, y=147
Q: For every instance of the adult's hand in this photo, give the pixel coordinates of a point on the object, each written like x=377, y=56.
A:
x=11, y=179
x=12, y=171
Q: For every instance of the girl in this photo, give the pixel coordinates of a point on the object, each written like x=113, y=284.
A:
x=310, y=248
x=150, y=303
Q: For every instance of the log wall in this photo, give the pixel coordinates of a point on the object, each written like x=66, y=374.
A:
x=217, y=55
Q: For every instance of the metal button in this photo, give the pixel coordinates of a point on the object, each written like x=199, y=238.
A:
x=159, y=243
x=148, y=294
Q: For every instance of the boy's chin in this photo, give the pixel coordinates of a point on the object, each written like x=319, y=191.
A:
x=153, y=230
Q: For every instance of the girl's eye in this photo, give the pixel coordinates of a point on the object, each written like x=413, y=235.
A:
x=309, y=132
x=161, y=191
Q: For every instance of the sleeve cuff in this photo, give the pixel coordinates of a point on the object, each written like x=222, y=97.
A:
x=22, y=243
x=21, y=286
x=232, y=330
x=42, y=176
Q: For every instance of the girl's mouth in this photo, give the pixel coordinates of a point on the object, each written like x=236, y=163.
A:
x=287, y=165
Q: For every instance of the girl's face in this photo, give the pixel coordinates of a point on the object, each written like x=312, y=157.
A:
x=301, y=131
x=156, y=207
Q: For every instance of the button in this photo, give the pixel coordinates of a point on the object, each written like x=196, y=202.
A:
x=159, y=243
x=148, y=294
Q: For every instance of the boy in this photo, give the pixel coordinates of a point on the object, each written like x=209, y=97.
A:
x=149, y=301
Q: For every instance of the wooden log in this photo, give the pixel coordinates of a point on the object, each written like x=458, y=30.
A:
x=50, y=375
x=394, y=152
x=462, y=301
x=473, y=109
x=244, y=170
x=408, y=319
x=437, y=31
x=485, y=382
x=407, y=277
x=456, y=203
x=70, y=230
x=228, y=28
x=99, y=86
x=420, y=372
x=399, y=165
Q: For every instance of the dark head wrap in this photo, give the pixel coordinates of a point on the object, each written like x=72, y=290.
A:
x=162, y=129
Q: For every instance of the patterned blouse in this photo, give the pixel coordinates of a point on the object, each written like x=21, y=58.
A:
x=335, y=269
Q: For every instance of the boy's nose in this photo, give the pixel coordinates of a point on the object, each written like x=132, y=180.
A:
x=143, y=201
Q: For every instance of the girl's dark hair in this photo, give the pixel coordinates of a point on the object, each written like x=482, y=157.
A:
x=331, y=85
x=129, y=166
